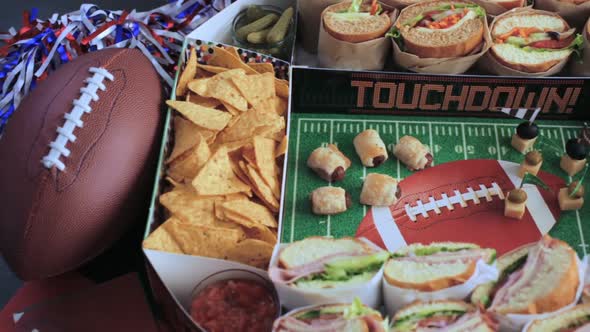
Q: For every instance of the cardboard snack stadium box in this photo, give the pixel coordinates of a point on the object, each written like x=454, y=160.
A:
x=174, y=277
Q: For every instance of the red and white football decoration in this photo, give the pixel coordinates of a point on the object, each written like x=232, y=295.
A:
x=464, y=201
x=77, y=162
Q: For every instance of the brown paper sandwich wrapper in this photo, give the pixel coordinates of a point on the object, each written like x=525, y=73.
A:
x=453, y=66
x=583, y=68
x=493, y=9
x=369, y=55
x=575, y=15
x=490, y=64
x=310, y=17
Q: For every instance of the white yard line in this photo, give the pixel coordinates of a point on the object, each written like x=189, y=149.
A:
x=331, y=141
x=295, y=181
x=583, y=244
x=444, y=123
x=497, y=143
x=364, y=171
x=431, y=144
x=396, y=140
x=464, y=141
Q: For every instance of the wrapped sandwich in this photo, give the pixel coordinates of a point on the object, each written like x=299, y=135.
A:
x=456, y=316
x=534, y=279
x=355, y=317
x=445, y=37
x=325, y=270
x=531, y=43
x=445, y=270
x=576, y=319
x=352, y=35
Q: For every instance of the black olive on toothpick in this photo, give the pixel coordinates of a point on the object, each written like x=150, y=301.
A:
x=527, y=130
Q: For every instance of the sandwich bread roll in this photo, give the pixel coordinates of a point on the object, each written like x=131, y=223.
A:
x=441, y=29
x=535, y=279
x=355, y=27
x=455, y=316
x=532, y=41
x=433, y=267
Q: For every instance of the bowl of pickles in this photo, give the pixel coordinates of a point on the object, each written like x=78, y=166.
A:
x=265, y=29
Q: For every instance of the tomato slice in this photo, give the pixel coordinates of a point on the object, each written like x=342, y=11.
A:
x=553, y=44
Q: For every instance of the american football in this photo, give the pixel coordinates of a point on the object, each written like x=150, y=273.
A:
x=78, y=160
x=463, y=201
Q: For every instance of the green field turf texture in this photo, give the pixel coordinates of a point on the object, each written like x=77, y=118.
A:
x=450, y=139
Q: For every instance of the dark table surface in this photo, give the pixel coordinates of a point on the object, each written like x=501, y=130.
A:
x=11, y=15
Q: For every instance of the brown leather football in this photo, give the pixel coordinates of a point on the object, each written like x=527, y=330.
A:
x=77, y=162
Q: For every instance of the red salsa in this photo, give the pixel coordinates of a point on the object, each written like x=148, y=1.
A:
x=234, y=305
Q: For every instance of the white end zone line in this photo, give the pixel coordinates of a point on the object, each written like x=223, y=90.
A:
x=295, y=181
x=387, y=228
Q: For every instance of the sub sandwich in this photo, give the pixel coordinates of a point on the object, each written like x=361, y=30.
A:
x=533, y=41
x=576, y=319
x=436, y=266
x=355, y=22
x=440, y=29
x=456, y=316
x=354, y=317
x=319, y=263
x=536, y=278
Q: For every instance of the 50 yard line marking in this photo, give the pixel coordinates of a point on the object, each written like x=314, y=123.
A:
x=583, y=244
x=431, y=145
x=497, y=142
x=295, y=181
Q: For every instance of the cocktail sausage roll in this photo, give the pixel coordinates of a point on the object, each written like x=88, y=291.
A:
x=380, y=190
x=330, y=200
x=370, y=148
x=329, y=163
x=410, y=151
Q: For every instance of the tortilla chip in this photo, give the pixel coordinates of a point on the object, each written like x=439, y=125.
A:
x=227, y=92
x=264, y=67
x=282, y=88
x=261, y=233
x=281, y=106
x=257, y=89
x=251, y=211
x=203, y=101
x=282, y=148
x=189, y=207
x=233, y=51
x=252, y=252
x=186, y=136
x=162, y=240
x=208, y=118
x=212, y=69
x=247, y=152
x=233, y=111
x=200, y=240
x=216, y=177
x=186, y=167
x=261, y=189
x=189, y=73
x=199, y=86
x=249, y=123
x=201, y=74
x=226, y=59
x=264, y=151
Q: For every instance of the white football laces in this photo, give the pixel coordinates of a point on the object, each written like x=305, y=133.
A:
x=74, y=118
x=449, y=202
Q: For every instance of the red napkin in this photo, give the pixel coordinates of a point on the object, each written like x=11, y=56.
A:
x=116, y=305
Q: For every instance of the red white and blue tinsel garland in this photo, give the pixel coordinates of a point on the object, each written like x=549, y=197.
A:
x=41, y=46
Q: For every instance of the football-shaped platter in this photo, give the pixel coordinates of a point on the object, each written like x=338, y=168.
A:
x=78, y=161
x=464, y=201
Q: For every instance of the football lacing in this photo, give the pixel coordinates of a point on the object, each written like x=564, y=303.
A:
x=458, y=198
x=74, y=118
